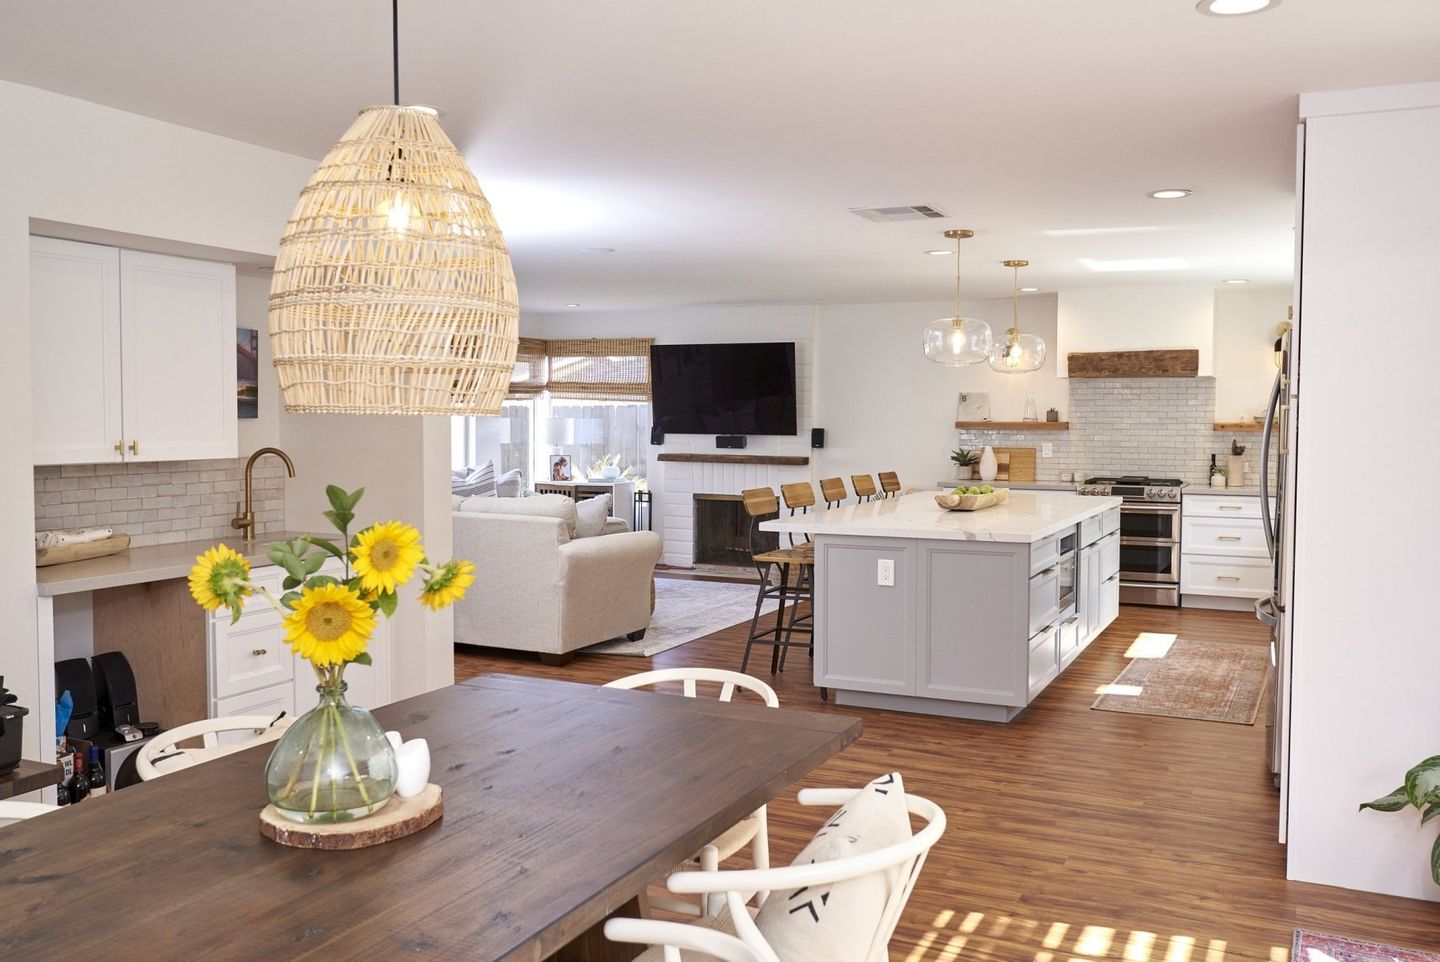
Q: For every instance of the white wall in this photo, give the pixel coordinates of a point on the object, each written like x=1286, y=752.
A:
x=1365, y=654
x=73, y=162
x=1245, y=332
x=885, y=407
x=1137, y=319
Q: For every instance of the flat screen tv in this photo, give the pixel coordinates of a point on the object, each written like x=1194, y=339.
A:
x=723, y=388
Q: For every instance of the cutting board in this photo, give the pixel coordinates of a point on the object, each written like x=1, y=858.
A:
x=1016, y=464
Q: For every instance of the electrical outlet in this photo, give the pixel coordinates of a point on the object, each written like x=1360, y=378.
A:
x=1047, y=450
x=885, y=572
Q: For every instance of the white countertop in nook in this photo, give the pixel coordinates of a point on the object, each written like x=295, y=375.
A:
x=135, y=566
x=1025, y=518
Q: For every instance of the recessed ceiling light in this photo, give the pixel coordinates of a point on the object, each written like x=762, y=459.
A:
x=939, y=253
x=1138, y=264
x=572, y=305
x=1029, y=290
x=1170, y=193
x=1238, y=280
x=1234, y=8
x=597, y=250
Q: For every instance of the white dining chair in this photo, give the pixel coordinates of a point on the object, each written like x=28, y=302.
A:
x=751, y=830
x=161, y=756
x=11, y=812
x=901, y=864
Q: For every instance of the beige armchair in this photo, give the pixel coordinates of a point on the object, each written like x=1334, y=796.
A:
x=539, y=588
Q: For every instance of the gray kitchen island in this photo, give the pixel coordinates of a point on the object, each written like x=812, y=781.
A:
x=968, y=614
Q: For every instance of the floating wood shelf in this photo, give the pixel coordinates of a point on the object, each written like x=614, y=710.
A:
x=1013, y=425
x=1236, y=426
x=733, y=458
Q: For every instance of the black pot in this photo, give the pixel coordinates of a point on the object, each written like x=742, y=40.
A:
x=12, y=719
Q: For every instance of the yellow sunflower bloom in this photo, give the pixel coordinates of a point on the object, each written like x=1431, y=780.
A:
x=220, y=578
x=448, y=586
x=386, y=555
x=330, y=625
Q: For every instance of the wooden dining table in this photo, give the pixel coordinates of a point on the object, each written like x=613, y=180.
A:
x=562, y=803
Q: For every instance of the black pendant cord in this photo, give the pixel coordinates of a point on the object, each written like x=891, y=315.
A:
x=395, y=45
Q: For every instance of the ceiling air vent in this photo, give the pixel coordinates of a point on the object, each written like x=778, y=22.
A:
x=884, y=215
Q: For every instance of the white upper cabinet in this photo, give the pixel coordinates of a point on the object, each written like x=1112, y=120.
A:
x=133, y=355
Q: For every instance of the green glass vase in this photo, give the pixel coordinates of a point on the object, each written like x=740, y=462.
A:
x=333, y=765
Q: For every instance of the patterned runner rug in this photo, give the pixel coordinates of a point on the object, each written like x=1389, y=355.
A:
x=1208, y=680
x=1319, y=947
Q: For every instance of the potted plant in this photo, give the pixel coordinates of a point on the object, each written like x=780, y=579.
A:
x=1422, y=790
x=964, y=464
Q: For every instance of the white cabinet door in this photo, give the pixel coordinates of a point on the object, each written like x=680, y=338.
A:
x=266, y=701
x=75, y=351
x=1087, y=599
x=178, y=357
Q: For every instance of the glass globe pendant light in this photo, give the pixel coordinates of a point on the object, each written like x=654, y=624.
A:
x=957, y=341
x=1017, y=353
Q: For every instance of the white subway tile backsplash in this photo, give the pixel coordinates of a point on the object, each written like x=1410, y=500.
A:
x=161, y=502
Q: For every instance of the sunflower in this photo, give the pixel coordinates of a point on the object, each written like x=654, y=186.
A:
x=448, y=585
x=220, y=578
x=330, y=625
x=386, y=555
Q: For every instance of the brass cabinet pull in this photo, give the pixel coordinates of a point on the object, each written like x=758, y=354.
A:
x=1231, y=507
x=1228, y=537
x=135, y=448
x=120, y=447
x=1227, y=577
x=257, y=652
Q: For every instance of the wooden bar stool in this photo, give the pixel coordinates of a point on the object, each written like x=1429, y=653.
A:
x=799, y=496
x=864, y=486
x=761, y=504
x=889, y=483
x=833, y=491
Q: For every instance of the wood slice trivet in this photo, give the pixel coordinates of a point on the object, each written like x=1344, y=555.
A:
x=400, y=817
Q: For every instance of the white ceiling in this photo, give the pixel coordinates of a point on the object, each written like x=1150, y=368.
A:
x=717, y=146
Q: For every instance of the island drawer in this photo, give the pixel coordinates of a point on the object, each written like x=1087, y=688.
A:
x=1230, y=537
x=1219, y=506
x=1109, y=556
x=1226, y=577
x=1110, y=521
x=1044, y=659
x=250, y=654
x=1044, y=553
x=1091, y=530
x=1044, y=599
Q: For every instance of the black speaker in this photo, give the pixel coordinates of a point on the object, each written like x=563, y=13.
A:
x=73, y=675
x=657, y=435
x=817, y=437
x=116, y=701
x=730, y=440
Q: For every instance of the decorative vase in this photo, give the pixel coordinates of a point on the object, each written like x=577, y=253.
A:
x=333, y=765
x=988, y=465
x=610, y=472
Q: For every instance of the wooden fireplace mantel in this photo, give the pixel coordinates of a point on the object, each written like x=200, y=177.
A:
x=707, y=458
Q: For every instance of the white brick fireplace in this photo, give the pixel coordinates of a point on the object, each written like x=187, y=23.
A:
x=675, y=516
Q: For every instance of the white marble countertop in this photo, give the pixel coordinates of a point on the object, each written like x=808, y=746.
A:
x=135, y=566
x=1014, y=485
x=1025, y=518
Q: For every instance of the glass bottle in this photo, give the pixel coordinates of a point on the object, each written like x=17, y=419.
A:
x=95, y=773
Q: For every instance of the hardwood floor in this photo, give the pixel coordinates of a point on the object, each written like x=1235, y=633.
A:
x=1073, y=834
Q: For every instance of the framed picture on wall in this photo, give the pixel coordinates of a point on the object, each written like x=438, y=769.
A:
x=247, y=372
x=559, y=467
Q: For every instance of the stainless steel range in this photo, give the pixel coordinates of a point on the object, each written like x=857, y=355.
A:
x=1149, y=536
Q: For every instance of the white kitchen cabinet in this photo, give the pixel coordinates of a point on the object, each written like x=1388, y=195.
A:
x=1223, y=553
x=1099, y=579
x=133, y=355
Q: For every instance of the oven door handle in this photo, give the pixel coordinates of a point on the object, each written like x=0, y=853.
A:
x=1150, y=508
x=1150, y=542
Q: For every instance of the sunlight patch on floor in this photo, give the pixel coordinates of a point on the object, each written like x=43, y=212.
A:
x=1002, y=937
x=1132, y=691
x=1150, y=644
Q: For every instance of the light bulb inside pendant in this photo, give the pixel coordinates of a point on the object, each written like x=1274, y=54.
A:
x=397, y=218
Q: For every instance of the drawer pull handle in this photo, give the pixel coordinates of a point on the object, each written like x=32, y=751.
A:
x=1231, y=507
x=257, y=652
x=1227, y=577
x=1227, y=537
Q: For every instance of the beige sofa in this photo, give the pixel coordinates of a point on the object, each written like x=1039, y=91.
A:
x=540, y=588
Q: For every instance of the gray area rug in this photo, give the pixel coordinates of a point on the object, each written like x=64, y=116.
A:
x=1208, y=680
x=685, y=611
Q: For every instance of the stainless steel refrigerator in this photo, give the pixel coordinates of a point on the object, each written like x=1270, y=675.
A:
x=1274, y=511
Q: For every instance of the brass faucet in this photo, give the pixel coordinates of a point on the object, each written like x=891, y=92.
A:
x=246, y=522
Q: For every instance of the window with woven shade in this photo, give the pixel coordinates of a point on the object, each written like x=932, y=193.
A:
x=600, y=369
x=532, y=369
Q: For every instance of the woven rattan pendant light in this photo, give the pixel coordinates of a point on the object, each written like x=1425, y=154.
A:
x=393, y=291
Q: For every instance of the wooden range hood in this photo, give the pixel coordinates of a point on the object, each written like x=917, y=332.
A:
x=1114, y=364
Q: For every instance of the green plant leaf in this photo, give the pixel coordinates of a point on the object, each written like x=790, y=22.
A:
x=340, y=519
x=361, y=659
x=386, y=603
x=1393, y=802
x=319, y=580
x=327, y=546
x=235, y=612
x=289, y=598
x=1430, y=812
x=339, y=500
x=314, y=563
x=290, y=582
x=278, y=551
x=1422, y=783
x=1435, y=861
